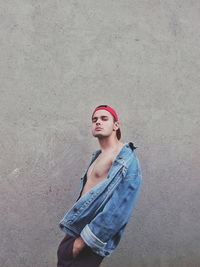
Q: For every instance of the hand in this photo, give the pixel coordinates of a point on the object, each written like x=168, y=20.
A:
x=78, y=245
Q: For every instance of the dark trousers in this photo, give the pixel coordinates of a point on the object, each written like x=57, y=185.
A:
x=86, y=257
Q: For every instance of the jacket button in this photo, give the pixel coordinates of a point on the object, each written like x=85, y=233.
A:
x=75, y=209
x=107, y=253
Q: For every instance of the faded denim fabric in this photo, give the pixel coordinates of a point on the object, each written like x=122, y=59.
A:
x=101, y=215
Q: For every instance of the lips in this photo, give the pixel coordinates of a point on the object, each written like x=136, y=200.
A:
x=98, y=128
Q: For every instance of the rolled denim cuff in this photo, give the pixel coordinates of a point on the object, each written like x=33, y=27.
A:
x=91, y=239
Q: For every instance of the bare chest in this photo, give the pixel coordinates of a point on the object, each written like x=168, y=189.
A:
x=97, y=172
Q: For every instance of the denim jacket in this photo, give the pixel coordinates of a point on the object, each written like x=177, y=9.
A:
x=101, y=215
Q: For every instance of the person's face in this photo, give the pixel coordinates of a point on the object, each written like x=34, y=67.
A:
x=103, y=124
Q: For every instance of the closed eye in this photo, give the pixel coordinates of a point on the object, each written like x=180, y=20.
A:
x=94, y=119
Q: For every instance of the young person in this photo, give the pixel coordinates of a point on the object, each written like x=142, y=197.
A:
x=109, y=188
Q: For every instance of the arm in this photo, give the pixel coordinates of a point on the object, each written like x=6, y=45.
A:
x=115, y=213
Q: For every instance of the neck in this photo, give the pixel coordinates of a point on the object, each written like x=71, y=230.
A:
x=108, y=144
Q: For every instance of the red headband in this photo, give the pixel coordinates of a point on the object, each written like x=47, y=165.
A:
x=108, y=108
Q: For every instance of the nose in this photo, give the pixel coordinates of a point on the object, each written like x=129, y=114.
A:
x=97, y=122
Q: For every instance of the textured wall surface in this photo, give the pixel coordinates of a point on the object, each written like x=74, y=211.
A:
x=58, y=60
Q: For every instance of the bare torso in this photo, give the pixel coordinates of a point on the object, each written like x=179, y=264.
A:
x=98, y=170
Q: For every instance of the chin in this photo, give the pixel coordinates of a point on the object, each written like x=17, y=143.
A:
x=98, y=135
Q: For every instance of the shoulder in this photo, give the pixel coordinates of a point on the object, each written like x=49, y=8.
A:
x=132, y=160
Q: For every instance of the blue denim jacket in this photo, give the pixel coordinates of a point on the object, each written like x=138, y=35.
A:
x=100, y=215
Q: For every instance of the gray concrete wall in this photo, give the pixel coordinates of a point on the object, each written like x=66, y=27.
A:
x=58, y=60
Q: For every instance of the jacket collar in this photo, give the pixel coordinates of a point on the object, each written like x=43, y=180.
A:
x=123, y=155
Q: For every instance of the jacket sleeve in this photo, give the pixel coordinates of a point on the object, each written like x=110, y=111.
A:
x=115, y=213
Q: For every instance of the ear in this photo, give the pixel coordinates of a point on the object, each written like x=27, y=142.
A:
x=116, y=125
